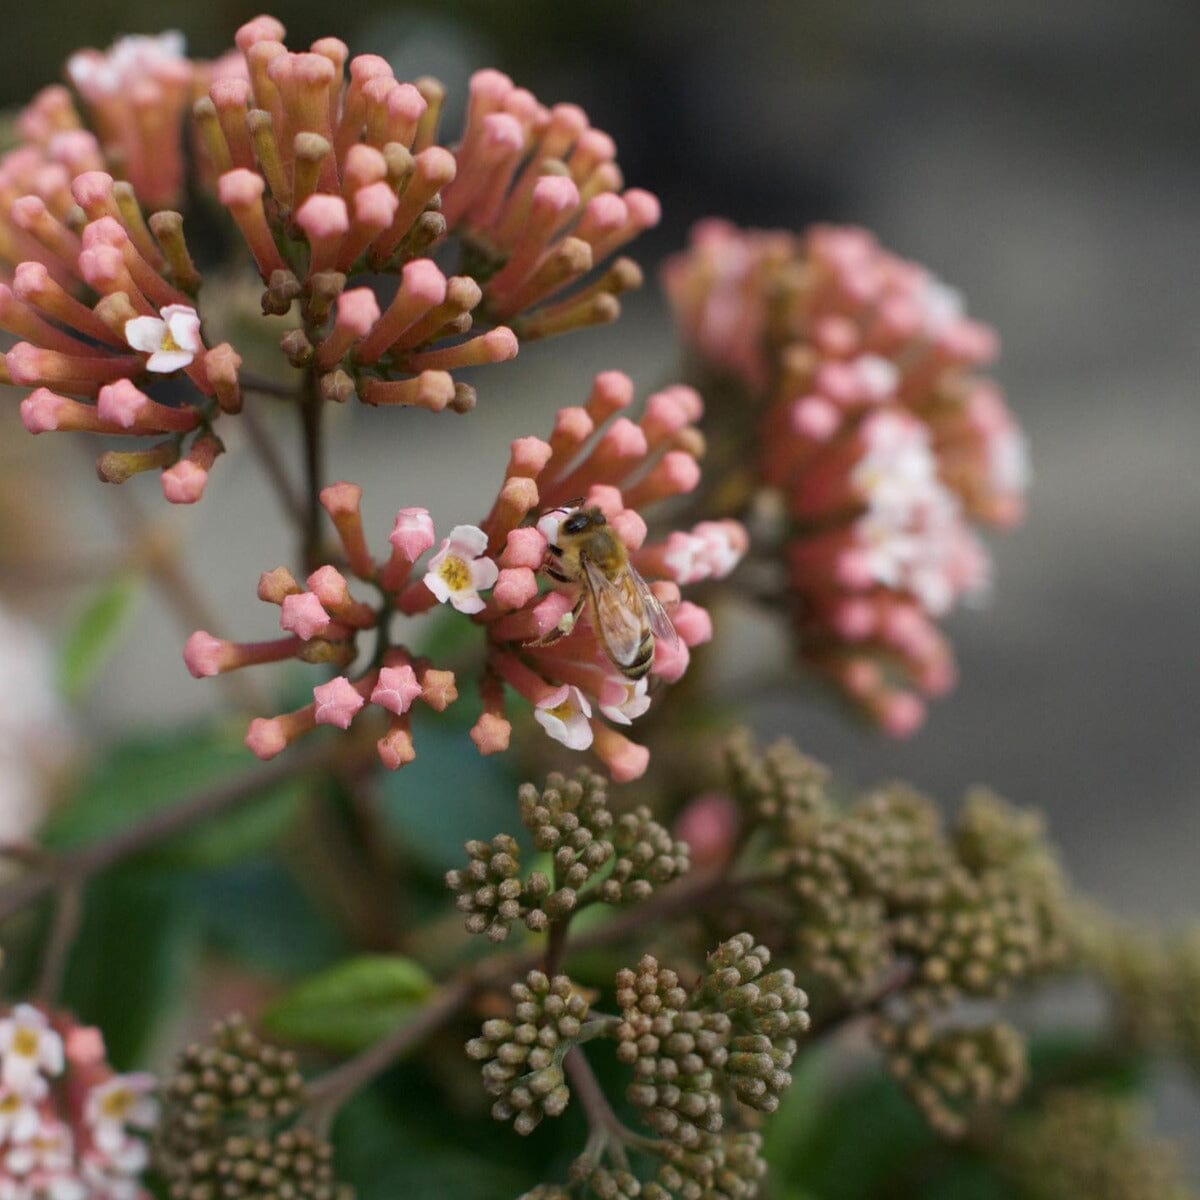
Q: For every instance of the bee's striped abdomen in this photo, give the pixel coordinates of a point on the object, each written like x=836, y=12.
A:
x=643, y=661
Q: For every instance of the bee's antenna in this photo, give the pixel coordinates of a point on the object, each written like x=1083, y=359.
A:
x=566, y=504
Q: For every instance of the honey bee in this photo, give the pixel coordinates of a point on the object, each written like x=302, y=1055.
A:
x=625, y=613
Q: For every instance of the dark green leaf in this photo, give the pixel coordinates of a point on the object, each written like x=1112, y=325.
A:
x=95, y=634
x=351, y=1005
x=447, y=796
x=130, y=959
x=136, y=777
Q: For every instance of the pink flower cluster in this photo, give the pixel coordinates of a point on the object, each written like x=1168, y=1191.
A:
x=620, y=466
x=884, y=443
x=329, y=166
x=70, y=1128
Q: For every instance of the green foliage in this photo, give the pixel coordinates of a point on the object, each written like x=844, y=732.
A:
x=130, y=959
x=136, y=777
x=96, y=632
x=352, y=1004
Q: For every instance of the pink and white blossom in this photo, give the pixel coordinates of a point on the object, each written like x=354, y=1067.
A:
x=461, y=569
x=172, y=339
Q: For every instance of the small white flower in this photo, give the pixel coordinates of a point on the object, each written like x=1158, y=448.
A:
x=51, y=1149
x=623, y=701
x=120, y=1103
x=460, y=569
x=172, y=339
x=564, y=716
x=548, y=524
x=720, y=550
x=99, y=75
x=19, y=1117
x=28, y=1048
x=898, y=466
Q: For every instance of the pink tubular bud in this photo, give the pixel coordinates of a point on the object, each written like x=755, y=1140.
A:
x=221, y=366
x=303, y=615
x=422, y=286
x=675, y=474
x=241, y=191
x=431, y=389
x=670, y=659
x=274, y=585
x=395, y=748
x=611, y=392
x=93, y=192
x=624, y=759
x=692, y=623
x=260, y=29
x=325, y=221
x=269, y=736
x=336, y=702
x=396, y=689
x=438, y=688
x=527, y=457
x=514, y=588
x=44, y=411
x=122, y=404
x=205, y=655
x=491, y=733
x=342, y=501
x=518, y=497
x=357, y=312
x=497, y=345
x=524, y=547
x=412, y=533
x=630, y=527
x=184, y=483
x=900, y=714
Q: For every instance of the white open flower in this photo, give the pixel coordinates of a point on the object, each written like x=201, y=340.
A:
x=460, y=569
x=100, y=74
x=172, y=339
x=564, y=715
x=622, y=701
x=29, y=1048
x=120, y=1103
x=19, y=1117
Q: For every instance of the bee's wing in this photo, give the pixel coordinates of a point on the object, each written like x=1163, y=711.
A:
x=656, y=615
x=618, y=607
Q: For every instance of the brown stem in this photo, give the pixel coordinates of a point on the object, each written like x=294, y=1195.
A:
x=272, y=464
x=311, y=410
x=74, y=867
x=330, y=1091
x=63, y=928
x=602, y=1121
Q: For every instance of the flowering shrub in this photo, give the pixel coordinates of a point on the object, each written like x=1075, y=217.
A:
x=685, y=944
x=883, y=444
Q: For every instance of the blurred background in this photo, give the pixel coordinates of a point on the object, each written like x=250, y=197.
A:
x=1041, y=158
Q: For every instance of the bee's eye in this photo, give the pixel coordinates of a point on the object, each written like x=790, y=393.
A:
x=577, y=522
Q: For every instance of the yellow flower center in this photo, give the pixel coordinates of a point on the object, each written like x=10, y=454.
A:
x=456, y=573
x=10, y=1104
x=117, y=1103
x=562, y=711
x=168, y=342
x=25, y=1042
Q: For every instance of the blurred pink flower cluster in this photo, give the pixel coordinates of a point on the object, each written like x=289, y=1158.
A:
x=70, y=1127
x=595, y=456
x=859, y=369
x=329, y=167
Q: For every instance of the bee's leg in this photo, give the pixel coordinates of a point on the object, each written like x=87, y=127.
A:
x=566, y=623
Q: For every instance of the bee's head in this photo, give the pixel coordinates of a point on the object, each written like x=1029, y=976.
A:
x=583, y=520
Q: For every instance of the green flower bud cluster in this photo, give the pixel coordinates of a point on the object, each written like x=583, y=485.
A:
x=593, y=1178
x=734, y=1033
x=952, y=1073
x=1154, y=979
x=675, y=1052
x=1089, y=1143
x=647, y=858
x=571, y=821
x=730, y=1167
x=766, y=1010
x=221, y=1133
x=522, y=1057
x=778, y=786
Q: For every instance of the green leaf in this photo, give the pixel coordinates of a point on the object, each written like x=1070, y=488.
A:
x=130, y=959
x=134, y=778
x=94, y=636
x=351, y=1005
x=447, y=796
